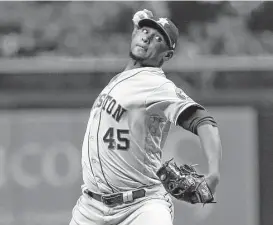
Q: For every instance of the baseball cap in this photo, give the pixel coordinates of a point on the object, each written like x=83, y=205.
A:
x=166, y=26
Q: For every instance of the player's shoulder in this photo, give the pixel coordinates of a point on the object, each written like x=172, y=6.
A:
x=153, y=76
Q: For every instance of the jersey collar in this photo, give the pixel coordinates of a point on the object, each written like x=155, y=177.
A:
x=154, y=70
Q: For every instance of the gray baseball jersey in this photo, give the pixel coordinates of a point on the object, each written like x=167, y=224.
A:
x=128, y=125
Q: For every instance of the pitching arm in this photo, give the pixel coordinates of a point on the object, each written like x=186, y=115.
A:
x=201, y=123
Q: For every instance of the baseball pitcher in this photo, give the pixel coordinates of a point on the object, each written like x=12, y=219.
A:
x=125, y=181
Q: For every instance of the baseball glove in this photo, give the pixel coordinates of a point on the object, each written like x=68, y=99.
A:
x=184, y=183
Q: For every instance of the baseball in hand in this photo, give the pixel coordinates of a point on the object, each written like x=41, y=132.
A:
x=143, y=14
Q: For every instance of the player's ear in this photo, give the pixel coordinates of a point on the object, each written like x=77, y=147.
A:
x=168, y=55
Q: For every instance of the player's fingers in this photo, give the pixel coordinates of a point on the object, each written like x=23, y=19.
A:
x=148, y=12
x=136, y=18
x=143, y=14
x=140, y=15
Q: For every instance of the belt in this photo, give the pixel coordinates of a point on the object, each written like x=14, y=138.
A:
x=117, y=198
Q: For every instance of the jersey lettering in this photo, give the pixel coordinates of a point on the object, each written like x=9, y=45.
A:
x=100, y=100
x=118, y=113
x=108, y=97
x=110, y=105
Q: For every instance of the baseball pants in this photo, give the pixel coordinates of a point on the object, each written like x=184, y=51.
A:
x=153, y=210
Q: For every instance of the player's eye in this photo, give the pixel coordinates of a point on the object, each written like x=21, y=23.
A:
x=158, y=38
x=144, y=30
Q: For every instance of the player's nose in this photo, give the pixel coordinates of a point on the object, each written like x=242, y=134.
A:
x=145, y=39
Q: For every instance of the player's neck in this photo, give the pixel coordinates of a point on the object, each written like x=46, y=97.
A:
x=133, y=64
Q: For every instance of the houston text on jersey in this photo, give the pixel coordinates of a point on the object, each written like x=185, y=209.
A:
x=110, y=105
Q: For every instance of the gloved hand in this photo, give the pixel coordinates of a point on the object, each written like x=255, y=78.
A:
x=184, y=183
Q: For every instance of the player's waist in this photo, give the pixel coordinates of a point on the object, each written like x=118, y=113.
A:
x=122, y=197
x=117, y=198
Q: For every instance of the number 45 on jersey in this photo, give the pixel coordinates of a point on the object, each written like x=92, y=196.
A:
x=117, y=139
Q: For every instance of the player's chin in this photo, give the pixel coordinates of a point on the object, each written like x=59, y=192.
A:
x=138, y=54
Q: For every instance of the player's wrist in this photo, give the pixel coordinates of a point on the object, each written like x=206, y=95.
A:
x=214, y=176
x=214, y=166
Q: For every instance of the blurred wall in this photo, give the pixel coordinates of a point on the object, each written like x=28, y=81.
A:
x=40, y=172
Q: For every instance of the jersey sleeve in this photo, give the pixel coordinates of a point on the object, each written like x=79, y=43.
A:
x=169, y=101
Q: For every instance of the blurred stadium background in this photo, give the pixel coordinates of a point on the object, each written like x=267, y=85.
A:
x=57, y=56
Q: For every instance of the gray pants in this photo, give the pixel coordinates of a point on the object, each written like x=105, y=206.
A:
x=152, y=210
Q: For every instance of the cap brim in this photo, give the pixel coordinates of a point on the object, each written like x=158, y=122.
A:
x=154, y=24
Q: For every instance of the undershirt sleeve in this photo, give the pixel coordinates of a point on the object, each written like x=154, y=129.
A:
x=193, y=117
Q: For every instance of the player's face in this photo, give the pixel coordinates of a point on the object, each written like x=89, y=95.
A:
x=149, y=46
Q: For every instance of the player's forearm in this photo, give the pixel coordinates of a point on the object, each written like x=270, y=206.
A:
x=211, y=144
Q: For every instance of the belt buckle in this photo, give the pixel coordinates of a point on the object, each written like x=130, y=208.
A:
x=127, y=197
x=112, y=199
